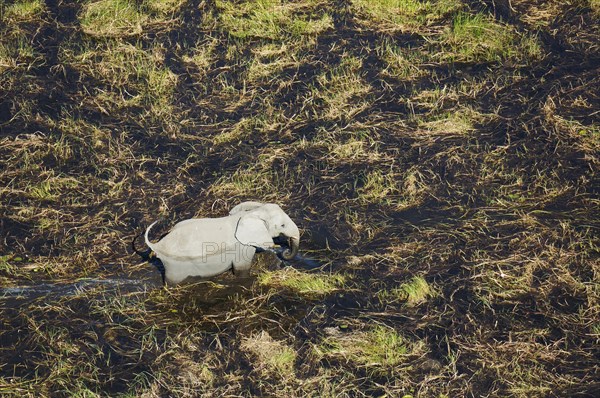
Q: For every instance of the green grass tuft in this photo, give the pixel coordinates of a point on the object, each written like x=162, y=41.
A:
x=112, y=18
x=308, y=285
x=595, y=6
x=17, y=52
x=52, y=188
x=378, y=187
x=379, y=349
x=478, y=38
x=416, y=291
x=391, y=189
x=6, y=265
x=24, y=10
x=457, y=122
x=412, y=293
x=135, y=76
x=343, y=91
x=164, y=7
x=406, y=15
x=402, y=63
x=269, y=19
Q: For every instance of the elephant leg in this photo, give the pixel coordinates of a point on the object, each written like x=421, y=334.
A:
x=241, y=267
x=242, y=273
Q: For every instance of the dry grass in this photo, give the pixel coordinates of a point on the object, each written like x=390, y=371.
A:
x=271, y=19
x=595, y=5
x=271, y=355
x=405, y=15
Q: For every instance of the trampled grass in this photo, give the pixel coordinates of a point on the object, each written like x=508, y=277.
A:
x=440, y=158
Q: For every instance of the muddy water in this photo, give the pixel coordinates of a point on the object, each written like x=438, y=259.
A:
x=137, y=282
x=68, y=289
x=13, y=296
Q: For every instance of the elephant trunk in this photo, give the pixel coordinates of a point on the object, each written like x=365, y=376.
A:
x=291, y=251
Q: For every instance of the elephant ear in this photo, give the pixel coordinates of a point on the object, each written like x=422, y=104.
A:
x=245, y=206
x=252, y=231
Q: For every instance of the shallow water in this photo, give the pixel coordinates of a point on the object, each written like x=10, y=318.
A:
x=67, y=289
x=47, y=291
x=138, y=282
x=304, y=262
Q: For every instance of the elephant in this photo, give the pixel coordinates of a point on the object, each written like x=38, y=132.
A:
x=205, y=247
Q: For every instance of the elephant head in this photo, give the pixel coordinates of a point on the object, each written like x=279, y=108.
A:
x=261, y=225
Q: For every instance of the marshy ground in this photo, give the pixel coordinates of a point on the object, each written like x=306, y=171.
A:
x=441, y=158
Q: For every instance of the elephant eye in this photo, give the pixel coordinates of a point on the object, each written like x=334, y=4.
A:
x=282, y=225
